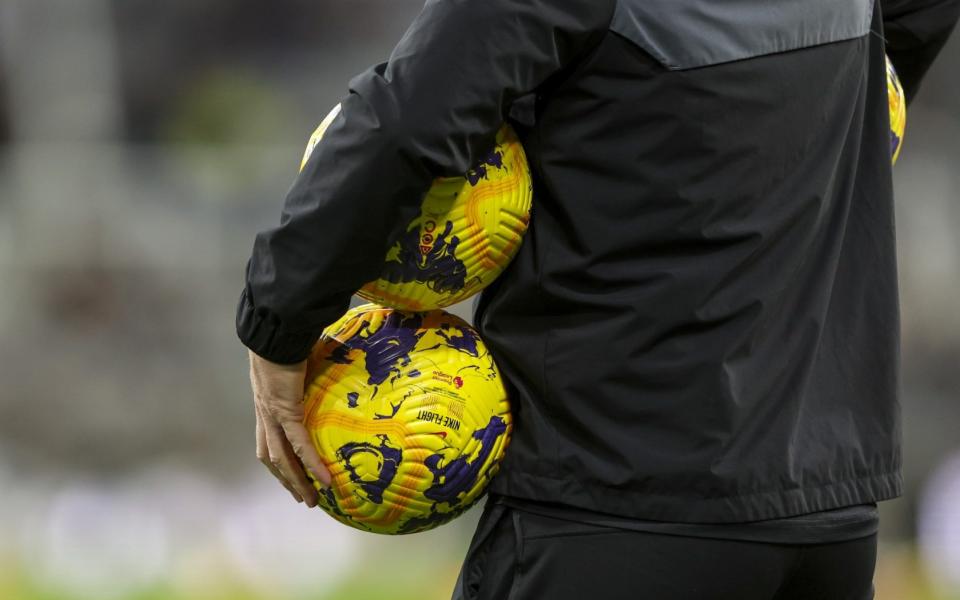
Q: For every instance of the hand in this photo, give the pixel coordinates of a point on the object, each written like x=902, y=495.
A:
x=283, y=444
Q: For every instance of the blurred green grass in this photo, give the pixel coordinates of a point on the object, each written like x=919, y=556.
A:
x=900, y=576
x=406, y=581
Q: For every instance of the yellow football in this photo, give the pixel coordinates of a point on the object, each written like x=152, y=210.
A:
x=898, y=110
x=409, y=413
x=468, y=230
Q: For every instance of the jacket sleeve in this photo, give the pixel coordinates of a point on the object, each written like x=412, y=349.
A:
x=915, y=31
x=432, y=110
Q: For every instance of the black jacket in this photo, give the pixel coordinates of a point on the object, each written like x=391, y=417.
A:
x=701, y=324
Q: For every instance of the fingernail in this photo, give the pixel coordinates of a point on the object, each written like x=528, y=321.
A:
x=324, y=484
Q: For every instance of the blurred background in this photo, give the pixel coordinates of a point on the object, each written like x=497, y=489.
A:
x=142, y=144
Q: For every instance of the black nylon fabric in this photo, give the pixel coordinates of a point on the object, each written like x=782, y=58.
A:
x=830, y=526
x=713, y=338
x=685, y=34
x=517, y=555
x=915, y=32
x=701, y=325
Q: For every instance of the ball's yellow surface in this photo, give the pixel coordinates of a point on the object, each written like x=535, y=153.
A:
x=468, y=230
x=898, y=110
x=409, y=413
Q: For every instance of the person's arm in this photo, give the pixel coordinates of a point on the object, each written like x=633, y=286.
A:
x=432, y=110
x=916, y=31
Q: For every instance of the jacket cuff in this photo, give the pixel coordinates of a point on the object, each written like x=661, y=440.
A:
x=264, y=335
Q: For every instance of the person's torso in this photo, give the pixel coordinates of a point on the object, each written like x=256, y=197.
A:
x=701, y=324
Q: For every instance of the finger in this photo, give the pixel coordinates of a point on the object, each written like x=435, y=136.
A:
x=285, y=460
x=303, y=447
x=263, y=455
x=263, y=451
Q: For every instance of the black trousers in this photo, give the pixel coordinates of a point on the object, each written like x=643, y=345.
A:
x=516, y=555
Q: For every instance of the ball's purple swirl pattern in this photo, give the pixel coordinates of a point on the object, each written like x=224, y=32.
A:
x=389, y=457
x=385, y=350
x=494, y=159
x=459, y=475
x=466, y=342
x=439, y=268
